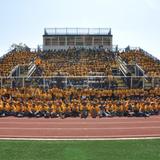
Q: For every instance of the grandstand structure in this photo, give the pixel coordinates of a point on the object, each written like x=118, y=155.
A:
x=73, y=57
x=63, y=38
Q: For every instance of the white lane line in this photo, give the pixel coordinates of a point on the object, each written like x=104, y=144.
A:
x=80, y=137
x=88, y=119
x=80, y=128
x=68, y=123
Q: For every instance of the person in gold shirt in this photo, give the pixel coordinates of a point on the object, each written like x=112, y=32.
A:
x=38, y=61
x=102, y=110
x=75, y=109
x=53, y=111
x=67, y=110
x=93, y=110
x=2, y=109
x=47, y=110
x=31, y=109
x=7, y=109
x=39, y=111
x=19, y=109
x=84, y=110
x=58, y=108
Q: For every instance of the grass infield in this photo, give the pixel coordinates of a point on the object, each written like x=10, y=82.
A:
x=80, y=150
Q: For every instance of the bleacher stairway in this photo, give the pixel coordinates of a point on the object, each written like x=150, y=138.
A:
x=27, y=70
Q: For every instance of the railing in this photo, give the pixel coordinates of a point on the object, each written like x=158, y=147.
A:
x=32, y=68
x=77, y=31
x=106, y=82
x=122, y=65
x=148, y=54
x=13, y=70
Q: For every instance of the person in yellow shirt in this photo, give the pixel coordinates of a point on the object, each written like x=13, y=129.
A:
x=53, y=111
x=19, y=110
x=61, y=110
x=93, y=110
x=58, y=109
x=102, y=110
x=7, y=109
x=38, y=109
x=38, y=61
x=46, y=110
x=67, y=110
x=84, y=110
x=2, y=110
x=31, y=109
x=28, y=109
x=75, y=109
x=156, y=108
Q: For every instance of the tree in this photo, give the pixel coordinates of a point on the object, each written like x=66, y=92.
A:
x=19, y=47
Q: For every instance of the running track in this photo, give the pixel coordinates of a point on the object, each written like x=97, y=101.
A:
x=76, y=128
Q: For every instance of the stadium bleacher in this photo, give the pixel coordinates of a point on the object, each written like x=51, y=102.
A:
x=102, y=98
x=12, y=59
x=148, y=64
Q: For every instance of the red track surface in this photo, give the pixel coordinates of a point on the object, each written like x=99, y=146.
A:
x=118, y=127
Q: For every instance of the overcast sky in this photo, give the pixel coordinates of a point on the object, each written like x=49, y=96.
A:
x=133, y=22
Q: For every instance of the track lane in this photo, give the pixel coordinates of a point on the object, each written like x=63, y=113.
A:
x=11, y=127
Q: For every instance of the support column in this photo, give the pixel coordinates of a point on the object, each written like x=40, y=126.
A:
x=102, y=40
x=143, y=83
x=109, y=82
x=84, y=41
x=23, y=82
x=153, y=82
x=65, y=41
x=11, y=83
x=44, y=83
x=66, y=82
x=51, y=43
x=131, y=82
x=1, y=82
x=58, y=42
x=19, y=71
x=92, y=41
x=75, y=42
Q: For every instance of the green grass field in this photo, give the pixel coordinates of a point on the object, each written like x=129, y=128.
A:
x=80, y=150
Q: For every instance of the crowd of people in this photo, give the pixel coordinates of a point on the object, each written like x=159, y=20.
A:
x=72, y=102
x=13, y=58
x=77, y=62
x=148, y=64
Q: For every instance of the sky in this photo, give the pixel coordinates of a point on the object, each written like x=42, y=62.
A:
x=133, y=22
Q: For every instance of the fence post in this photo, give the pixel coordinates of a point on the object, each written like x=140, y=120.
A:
x=143, y=82
x=153, y=82
x=23, y=82
x=88, y=81
x=11, y=83
x=131, y=83
x=65, y=81
x=44, y=83
x=19, y=71
x=1, y=82
x=109, y=83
